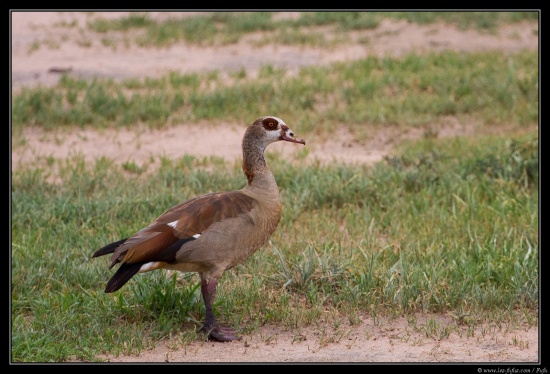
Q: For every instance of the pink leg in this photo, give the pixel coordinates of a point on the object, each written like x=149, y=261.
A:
x=211, y=327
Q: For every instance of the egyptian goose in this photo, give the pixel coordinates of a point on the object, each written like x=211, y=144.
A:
x=213, y=232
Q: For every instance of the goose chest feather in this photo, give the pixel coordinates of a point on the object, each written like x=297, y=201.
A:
x=210, y=233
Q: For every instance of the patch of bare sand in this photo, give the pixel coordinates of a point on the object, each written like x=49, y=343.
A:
x=382, y=341
x=148, y=146
x=43, y=40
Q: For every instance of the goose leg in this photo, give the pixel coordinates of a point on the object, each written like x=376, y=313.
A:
x=210, y=326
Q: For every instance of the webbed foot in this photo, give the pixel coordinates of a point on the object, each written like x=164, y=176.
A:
x=220, y=333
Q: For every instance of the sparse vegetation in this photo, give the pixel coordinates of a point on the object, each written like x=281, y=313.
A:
x=220, y=28
x=411, y=92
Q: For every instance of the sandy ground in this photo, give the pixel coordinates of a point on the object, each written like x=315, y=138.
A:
x=383, y=341
x=82, y=53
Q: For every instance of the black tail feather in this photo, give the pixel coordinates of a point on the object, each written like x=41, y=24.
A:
x=109, y=248
x=124, y=273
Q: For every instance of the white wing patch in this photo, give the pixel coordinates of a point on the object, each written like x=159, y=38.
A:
x=173, y=225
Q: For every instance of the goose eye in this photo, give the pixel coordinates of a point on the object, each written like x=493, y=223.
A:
x=270, y=124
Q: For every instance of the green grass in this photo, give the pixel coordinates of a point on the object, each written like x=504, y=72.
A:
x=413, y=91
x=229, y=27
x=222, y=28
x=444, y=226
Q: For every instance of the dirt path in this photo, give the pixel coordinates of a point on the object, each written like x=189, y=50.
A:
x=86, y=57
x=383, y=341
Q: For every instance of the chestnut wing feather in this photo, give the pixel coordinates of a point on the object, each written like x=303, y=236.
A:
x=196, y=216
x=181, y=221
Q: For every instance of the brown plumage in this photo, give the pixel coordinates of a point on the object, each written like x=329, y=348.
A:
x=210, y=233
